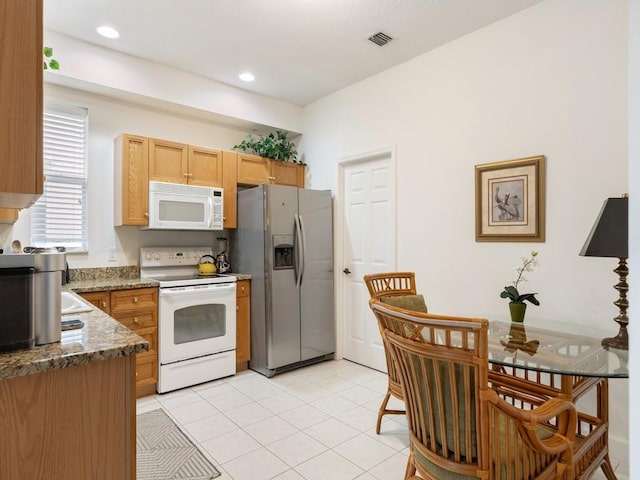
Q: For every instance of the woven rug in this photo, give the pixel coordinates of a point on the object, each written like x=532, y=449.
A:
x=164, y=452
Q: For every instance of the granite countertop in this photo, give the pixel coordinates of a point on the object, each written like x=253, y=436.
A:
x=100, y=338
x=121, y=283
x=100, y=284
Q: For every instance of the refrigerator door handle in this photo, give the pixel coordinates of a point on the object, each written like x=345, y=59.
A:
x=297, y=259
x=304, y=249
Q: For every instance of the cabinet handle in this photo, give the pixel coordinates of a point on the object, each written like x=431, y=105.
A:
x=187, y=175
x=242, y=289
x=104, y=304
x=136, y=374
x=135, y=320
x=238, y=307
x=146, y=214
x=272, y=178
x=135, y=299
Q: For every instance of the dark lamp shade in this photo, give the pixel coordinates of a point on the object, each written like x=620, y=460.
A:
x=609, y=236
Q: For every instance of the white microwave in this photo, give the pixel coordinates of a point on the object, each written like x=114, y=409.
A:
x=173, y=206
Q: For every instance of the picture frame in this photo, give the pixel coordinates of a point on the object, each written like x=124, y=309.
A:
x=510, y=200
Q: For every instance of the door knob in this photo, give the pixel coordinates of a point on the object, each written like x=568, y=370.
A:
x=347, y=271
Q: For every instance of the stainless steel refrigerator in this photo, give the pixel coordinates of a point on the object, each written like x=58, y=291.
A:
x=284, y=240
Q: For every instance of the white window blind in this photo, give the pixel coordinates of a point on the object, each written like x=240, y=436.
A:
x=59, y=217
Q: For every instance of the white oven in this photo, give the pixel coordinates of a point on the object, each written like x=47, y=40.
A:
x=196, y=318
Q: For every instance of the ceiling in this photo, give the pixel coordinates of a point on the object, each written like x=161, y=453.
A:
x=298, y=50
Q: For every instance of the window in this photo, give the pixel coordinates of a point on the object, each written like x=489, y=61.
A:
x=59, y=217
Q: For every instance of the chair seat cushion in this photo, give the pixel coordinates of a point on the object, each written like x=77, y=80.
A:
x=414, y=303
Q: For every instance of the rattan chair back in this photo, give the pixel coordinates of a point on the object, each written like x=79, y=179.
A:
x=387, y=285
x=458, y=427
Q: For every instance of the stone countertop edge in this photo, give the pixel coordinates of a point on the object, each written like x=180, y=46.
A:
x=99, y=285
x=101, y=338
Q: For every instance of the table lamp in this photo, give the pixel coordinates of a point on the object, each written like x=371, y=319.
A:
x=609, y=238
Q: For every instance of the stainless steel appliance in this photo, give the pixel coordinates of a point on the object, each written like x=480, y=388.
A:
x=174, y=206
x=196, y=317
x=222, y=256
x=40, y=275
x=284, y=240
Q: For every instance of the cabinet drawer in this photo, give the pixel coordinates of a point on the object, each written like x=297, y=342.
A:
x=135, y=321
x=243, y=288
x=151, y=336
x=134, y=299
x=146, y=370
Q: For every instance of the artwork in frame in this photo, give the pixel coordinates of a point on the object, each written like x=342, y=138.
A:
x=510, y=200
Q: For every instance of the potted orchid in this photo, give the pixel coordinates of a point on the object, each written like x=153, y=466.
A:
x=517, y=307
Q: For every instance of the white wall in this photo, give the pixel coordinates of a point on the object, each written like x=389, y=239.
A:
x=101, y=70
x=634, y=232
x=549, y=80
x=109, y=118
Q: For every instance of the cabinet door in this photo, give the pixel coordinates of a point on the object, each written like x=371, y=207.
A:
x=230, y=185
x=252, y=169
x=8, y=215
x=21, y=180
x=168, y=161
x=98, y=299
x=205, y=167
x=131, y=179
x=243, y=322
x=287, y=173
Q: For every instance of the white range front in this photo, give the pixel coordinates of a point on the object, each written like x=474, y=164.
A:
x=196, y=317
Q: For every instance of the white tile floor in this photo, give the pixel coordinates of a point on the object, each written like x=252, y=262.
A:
x=313, y=423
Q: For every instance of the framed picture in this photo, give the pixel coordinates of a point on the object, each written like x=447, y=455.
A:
x=510, y=200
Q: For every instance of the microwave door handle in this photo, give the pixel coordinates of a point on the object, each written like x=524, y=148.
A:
x=210, y=219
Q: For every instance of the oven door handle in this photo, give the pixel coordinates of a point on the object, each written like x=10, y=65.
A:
x=178, y=291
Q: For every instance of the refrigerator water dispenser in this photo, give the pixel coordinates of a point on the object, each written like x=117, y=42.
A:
x=282, y=252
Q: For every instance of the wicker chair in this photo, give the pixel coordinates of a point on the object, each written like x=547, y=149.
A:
x=459, y=428
x=385, y=286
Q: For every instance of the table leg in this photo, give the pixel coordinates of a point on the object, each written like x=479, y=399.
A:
x=603, y=413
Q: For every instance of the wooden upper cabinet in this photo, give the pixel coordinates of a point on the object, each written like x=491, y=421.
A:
x=180, y=163
x=252, y=169
x=131, y=180
x=21, y=180
x=230, y=185
x=168, y=161
x=287, y=173
x=204, y=167
x=8, y=215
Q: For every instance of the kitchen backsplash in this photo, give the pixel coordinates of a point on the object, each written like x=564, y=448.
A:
x=103, y=273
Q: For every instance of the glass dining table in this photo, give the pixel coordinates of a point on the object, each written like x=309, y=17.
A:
x=533, y=361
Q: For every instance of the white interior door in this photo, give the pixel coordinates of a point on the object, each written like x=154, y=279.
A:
x=368, y=246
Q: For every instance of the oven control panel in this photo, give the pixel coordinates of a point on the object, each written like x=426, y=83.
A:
x=172, y=256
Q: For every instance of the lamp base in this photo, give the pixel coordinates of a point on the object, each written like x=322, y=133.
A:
x=620, y=341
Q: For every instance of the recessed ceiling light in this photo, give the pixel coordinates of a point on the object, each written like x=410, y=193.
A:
x=247, y=77
x=108, y=32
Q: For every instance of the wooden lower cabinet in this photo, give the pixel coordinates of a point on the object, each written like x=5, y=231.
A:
x=72, y=423
x=137, y=309
x=102, y=300
x=243, y=324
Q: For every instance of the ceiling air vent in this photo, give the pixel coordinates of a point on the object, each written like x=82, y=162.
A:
x=380, y=39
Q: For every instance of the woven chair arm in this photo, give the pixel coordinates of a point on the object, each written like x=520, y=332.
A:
x=529, y=421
